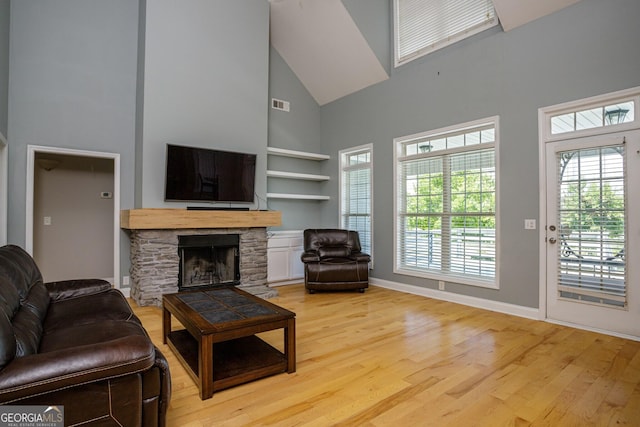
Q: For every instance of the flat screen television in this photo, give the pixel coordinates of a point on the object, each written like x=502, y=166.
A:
x=206, y=175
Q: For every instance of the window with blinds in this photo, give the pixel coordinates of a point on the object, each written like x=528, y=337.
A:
x=422, y=26
x=355, y=194
x=591, y=214
x=446, y=204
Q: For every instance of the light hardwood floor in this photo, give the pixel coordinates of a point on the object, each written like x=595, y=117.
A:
x=386, y=358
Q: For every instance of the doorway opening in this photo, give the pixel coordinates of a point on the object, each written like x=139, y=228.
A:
x=72, y=213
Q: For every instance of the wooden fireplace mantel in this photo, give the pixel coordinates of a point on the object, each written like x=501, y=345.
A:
x=163, y=219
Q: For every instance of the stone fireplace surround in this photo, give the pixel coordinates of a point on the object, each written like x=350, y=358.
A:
x=154, y=247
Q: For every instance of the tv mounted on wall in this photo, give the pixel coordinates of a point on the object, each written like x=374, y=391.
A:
x=206, y=175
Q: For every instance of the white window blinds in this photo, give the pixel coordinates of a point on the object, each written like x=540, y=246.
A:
x=446, y=204
x=422, y=26
x=355, y=198
x=591, y=214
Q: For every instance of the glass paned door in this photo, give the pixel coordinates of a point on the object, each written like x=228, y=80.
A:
x=589, y=224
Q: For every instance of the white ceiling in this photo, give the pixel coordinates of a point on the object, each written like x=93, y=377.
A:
x=322, y=45
x=513, y=13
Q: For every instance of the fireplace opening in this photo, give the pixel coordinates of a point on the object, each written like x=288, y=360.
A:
x=211, y=260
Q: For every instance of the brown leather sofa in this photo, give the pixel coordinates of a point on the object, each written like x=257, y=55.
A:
x=76, y=343
x=333, y=260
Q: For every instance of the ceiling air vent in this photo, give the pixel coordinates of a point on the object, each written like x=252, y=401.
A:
x=278, y=104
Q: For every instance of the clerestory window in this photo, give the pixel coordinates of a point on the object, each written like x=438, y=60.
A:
x=423, y=26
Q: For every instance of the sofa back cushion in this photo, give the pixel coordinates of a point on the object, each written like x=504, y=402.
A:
x=314, y=239
x=341, y=251
x=28, y=321
x=9, y=306
x=24, y=301
x=21, y=270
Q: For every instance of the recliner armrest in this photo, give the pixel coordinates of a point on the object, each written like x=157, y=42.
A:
x=310, y=256
x=360, y=257
x=66, y=289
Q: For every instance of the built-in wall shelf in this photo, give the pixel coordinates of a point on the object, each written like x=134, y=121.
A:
x=296, y=196
x=283, y=152
x=295, y=175
x=303, y=155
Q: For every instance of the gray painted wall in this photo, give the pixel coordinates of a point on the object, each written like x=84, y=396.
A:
x=581, y=51
x=126, y=77
x=4, y=64
x=298, y=129
x=206, y=83
x=72, y=84
x=374, y=21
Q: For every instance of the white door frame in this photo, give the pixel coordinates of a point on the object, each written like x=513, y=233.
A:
x=545, y=136
x=31, y=154
x=4, y=189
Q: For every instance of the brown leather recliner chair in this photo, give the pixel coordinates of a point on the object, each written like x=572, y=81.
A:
x=333, y=260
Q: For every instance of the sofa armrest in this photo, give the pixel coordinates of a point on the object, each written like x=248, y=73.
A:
x=66, y=289
x=310, y=256
x=45, y=372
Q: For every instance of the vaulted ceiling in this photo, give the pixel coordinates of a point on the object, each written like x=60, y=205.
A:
x=324, y=47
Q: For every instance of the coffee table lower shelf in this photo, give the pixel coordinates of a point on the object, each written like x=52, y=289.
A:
x=235, y=361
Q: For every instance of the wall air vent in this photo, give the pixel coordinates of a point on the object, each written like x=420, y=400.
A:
x=278, y=104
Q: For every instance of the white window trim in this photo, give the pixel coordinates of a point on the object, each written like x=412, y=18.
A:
x=342, y=154
x=397, y=142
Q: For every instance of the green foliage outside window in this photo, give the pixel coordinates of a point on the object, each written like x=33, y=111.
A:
x=588, y=206
x=471, y=192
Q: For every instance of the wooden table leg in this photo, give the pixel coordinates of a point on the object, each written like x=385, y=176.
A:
x=166, y=324
x=205, y=366
x=290, y=345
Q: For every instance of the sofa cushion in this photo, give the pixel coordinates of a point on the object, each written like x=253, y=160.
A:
x=7, y=340
x=9, y=298
x=65, y=289
x=27, y=323
x=37, y=301
x=21, y=270
x=97, y=308
x=28, y=330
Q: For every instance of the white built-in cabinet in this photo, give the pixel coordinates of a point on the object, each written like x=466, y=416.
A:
x=283, y=254
x=294, y=175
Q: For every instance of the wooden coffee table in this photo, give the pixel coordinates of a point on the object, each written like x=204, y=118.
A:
x=218, y=346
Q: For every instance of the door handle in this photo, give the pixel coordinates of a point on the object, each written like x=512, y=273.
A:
x=552, y=240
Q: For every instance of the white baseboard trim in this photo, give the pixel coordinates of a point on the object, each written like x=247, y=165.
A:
x=500, y=307
x=590, y=329
x=125, y=291
x=286, y=282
